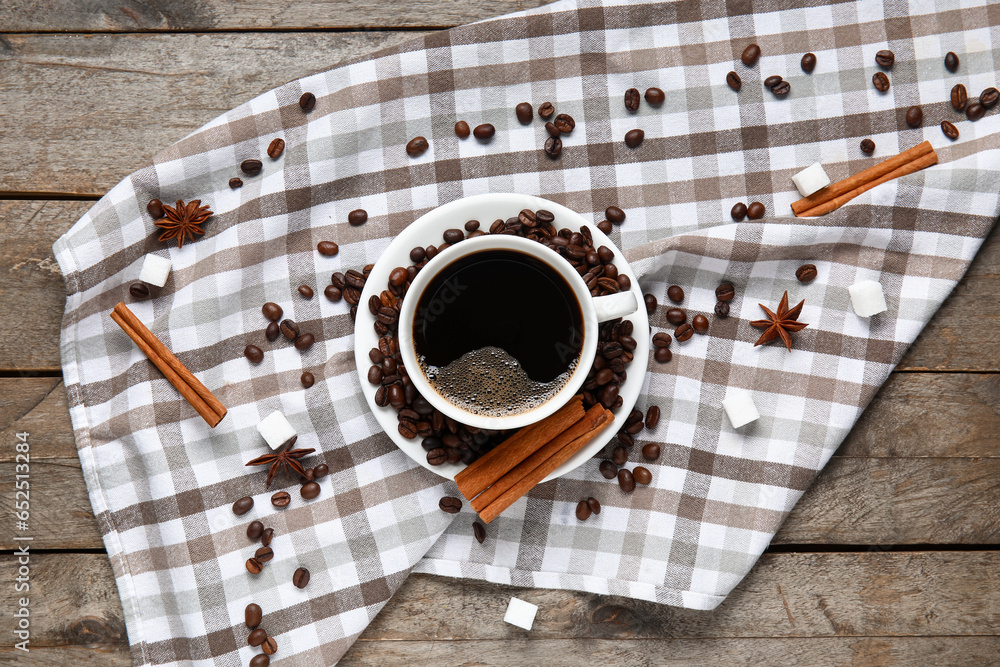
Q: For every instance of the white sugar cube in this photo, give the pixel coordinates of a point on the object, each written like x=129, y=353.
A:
x=867, y=298
x=276, y=429
x=520, y=613
x=811, y=179
x=740, y=407
x=155, y=270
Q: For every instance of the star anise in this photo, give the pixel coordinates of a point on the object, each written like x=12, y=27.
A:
x=284, y=459
x=183, y=222
x=780, y=324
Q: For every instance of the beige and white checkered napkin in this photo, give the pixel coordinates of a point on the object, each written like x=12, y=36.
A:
x=162, y=483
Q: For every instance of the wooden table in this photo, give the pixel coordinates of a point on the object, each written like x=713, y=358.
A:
x=892, y=557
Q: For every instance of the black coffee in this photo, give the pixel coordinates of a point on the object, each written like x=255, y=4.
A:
x=498, y=332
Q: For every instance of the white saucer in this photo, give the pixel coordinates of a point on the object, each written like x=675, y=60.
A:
x=427, y=230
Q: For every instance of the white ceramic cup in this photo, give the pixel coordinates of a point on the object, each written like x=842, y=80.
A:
x=593, y=310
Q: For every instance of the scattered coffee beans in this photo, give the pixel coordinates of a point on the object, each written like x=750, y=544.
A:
x=546, y=110
x=880, y=81
x=553, y=146
x=551, y=128
x=772, y=81
x=626, y=481
x=272, y=311
x=235, y=183
x=253, y=615
x=662, y=339
x=138, y=291
x=257, y=637
x=733, y=81
x=808, y=63
x=564, y=123
x=632, y=99
x=989, y=97
x=357, y=217
x=264, y=554
x=255, y=530
x=683, y=332
x=725, y=292
x=260, y=660
x=959, y=97
x=307, y=102
x=619, y=455
x=975, y=111
x=662, y=355
x=867, y=146
x=676, y=316
x=321, y=471
x=462, y=130
x=652, y=416
x=756, y=210
x=155, y=209
x=675, y=293
x=654, y=96
x=281, y=499
x=594, y=504
x=450, y=504
x=885, y=58
x=289, y=329
x=739, y=211
x=309, y=491
x=484, y=132
x=722, y=309
x=267, y=536
x=605, y=226
x=651, y=451
x=242, y=506
x=951, y=62
x=253, y=354
x=251, y=167
x=333, y=293
x=305, y=291
x=276, y=148
x=914, y=116
x=614, y=215
x=270, y=645
x=642, y=475
x=782, y=89
x=949, y=130
x=608, y=469
x=700, y=323
x=525, y=114
x=806, y=273
x=750, y=55
x=307, y=379
x=254, y=567
x=327, y=248
x=650, y=302
x=479, y=530
x=633, y=138
x=583, y=510
x=416, y=146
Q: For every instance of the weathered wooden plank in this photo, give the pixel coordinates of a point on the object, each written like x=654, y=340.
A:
x=74, y=602
x=132, y=15
x=62, y=656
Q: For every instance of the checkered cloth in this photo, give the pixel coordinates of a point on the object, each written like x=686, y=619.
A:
x=162, y=482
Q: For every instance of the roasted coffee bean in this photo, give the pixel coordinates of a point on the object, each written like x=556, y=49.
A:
x=619, y=455
x=450, y=504
x=484, y=132
x=551, y=128
x=609, y=394
x=553, y=146
x=725, y=292
x=416, y=146
x=462, y=130
x=289, y=329
x=407, y=429
x=155, y=209
x=260, y=660
x=357, y=217
x=524, y=113
x=614, y=214
x=661, y=339
x=281, y=499
x=264, y=554
x=328, y=248
x=604, y=376
x=307, y=102
x=583, y=510
x=605, y=226
x=608, y=469
x=632, y=99
x=309, y=491
x=257, y=637
x=626, y=481
x=255, y=530
x=880, y=81
x=663, y=355
x=675, y=293
x=756, y=210
x=307, y=379
x=479, y=530
x=734, y=81
x=253, y=354
x=308, y=476
x=739, y=211
x=654, y=96
x=722, y=309
x=806, y=273
x=138, y=291
x=594, y=505
x=634, y=416
x=546, y=110
x=772, y=81
x=270, y=645
x=683, y=332
x=304, y=342
x=650, y=302
x=321, y=471
x=267, y=536
x=975, y=111
x=625, y=438
x=253, y=615
x=750, y=55
x=914, y=116
x=251, y=167
x=642, y=475
x=272, y=311
x=867, y=146
x=471, y=225
x=375, y=374
x=399, y=276
x=633, y=138
x=808, y=63
x=254, y=566
x=628, y=342
x=453, y=236
x=564, y=123
x=700, y=323
x=959, y=97
x=676, y=316
x=989, y=97
x=389, y=367
x=333, y=293
x=951, y=62
x=305, y=291
x=949, y=130
x=885, y=58
x=634, y=429
x=651, y=451
x=652, y=416
x=437, y=456
x=243, y=505
x=235, y=183
x=276, y=148
x=782, y=89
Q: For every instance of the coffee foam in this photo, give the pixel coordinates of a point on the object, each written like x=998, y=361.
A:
x=491, y=383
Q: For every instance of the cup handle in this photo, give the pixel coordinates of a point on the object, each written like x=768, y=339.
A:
x=613, y=306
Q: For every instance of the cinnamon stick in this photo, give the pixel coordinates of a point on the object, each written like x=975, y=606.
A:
x=197, y=394
x=498, y=461
x=922, y=162
x=526, y=475
x=839, y=188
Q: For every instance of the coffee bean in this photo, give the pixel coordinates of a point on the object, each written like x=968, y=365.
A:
x=885, y=58
x=375, y=374
x=524, y=113
x=675, y=293
x=270, y=645
x=281, y=499
x=260, y=660
x=471, y=225
x=254, y=567
x=450, y=504
x=628, y=342
x=632, y=99
x=654, y=96
x=625, y=438
x=138, y=291
x=462, y=130
x=949, y=130
x=619, y=455
x=289, y=329
x=268, y=535
x=546, y=110
x=357, y=217
x=255, y=530
x=750, y=55
x=608, y=469
x=332, y=293
x=155, y=209
x=808, y=63
x=327, y=248
x=276, y=148
x=583, y=510
x=881, y=82
x=564, y=123
x=304, y=342
x=484, y=132
x=253, y=615
x=652, y=416
x=782, y=89
x=756, y=210
x=951, y=62
x=553, y=146
x=309, y=491
x=734, y=81
x=235, y=183
x=661, y=339
x=806, y=273
x=479, y=530
x=437, y=456
x=253, y=354
x=867, y=146
x=662, y=355
x=453, y=236
x=321, y=471
x=251, y=167
x=416, y=146
x=609, y=394
x=605, y=226
x=626, y=481
x=650, y=302
x=257, y=637
x=553, y=131
x=308, y=476
x=959, y=97
x=264, y=554
x=272, y=311
x=722, y=309
x=676, y=316
x=651, y=451
x=725, y=292
x=700, y=323
x=975, y=111
x=307, y=379
x=594, y=504
x=914, y=116
x=683, y=332
x=633, y=138
x=242, y=506
x=642, y=475
x=615, y=214
x=739, y=211
x=989, y=97
x=634, y=429
x=305, y=291
x=772, y=81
